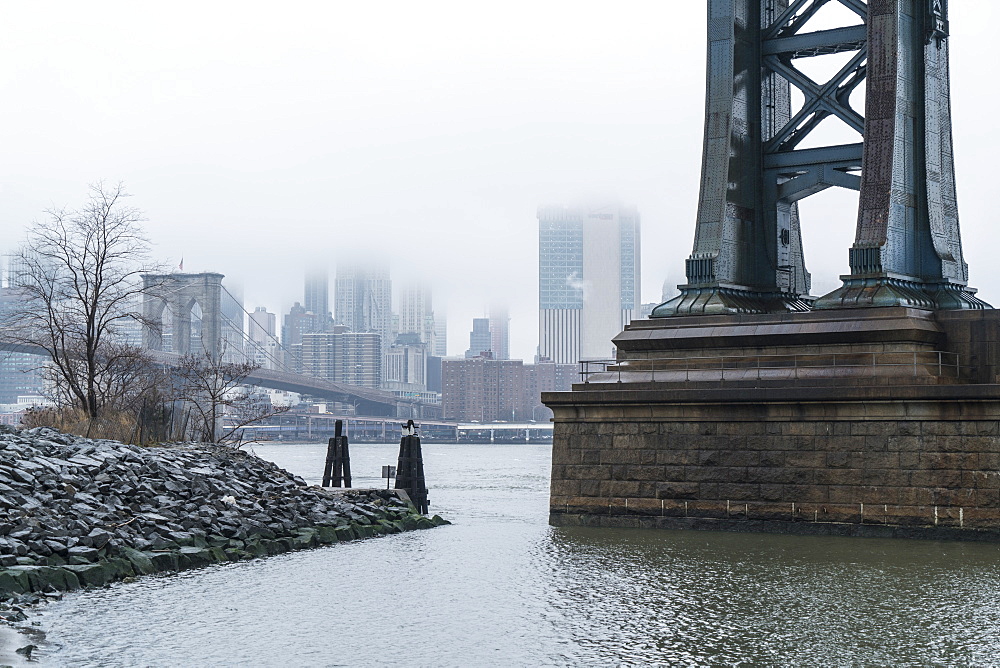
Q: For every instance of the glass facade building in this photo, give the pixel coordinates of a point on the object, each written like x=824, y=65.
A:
x=588, y=279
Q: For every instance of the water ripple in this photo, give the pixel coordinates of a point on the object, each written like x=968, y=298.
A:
x=501, y=588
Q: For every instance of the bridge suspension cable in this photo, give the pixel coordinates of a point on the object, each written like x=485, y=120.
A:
x=279, y=363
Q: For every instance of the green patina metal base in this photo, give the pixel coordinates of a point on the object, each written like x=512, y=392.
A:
x=865, y=292
x=721, y=300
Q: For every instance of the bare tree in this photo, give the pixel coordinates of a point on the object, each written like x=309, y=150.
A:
x=125, y=375
x=219, y=399
x=78, y=276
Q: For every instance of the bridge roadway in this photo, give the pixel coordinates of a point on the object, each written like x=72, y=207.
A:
x=367, y=401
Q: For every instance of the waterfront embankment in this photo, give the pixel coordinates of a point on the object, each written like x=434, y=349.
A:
x=80, y=512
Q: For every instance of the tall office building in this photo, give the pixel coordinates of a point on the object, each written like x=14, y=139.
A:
x=499, y=332
x=480, y=339
x=233, y=324
x=363, y=300
x=263, y=325
x=317, y=297
x=440, y=346
x=588, y=279
x=298, y=322
x=416, y=312
x=262, y=330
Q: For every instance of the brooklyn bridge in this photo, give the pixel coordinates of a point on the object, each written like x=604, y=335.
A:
x=189, y=306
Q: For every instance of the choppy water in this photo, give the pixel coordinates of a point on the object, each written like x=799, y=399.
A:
x=500, y=587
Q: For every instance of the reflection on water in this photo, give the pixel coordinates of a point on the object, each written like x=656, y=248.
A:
x=500, y=587
x=722, y=599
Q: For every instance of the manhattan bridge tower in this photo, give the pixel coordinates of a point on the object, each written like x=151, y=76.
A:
x=747, y=255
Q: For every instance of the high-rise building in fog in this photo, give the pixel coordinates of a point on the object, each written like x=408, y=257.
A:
x=416, y=313
x=363, y=299
x=588, y=279
x=233, y=324
x=263, y=325
x=262, y=330
x=440, y=345
x=480, y=339
x=317, y=297
x=499, y=332
x=297, y=323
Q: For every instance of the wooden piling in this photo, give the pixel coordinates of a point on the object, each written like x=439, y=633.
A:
x=410, y=472
x=337, y=470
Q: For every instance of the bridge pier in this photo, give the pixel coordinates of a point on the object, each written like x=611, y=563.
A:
x=801, y=420
x=746, y=390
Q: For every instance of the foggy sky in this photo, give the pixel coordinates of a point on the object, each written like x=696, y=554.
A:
x=260, y=138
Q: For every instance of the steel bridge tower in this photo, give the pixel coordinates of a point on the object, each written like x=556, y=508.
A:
x=747, y=255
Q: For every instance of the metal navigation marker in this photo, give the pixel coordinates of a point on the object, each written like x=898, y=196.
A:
x=387, y=473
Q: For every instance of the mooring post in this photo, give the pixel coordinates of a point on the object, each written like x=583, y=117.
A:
x=345, y=457
x=338, y=455
x=337, y=470
x=328, y=467
x=410, y=472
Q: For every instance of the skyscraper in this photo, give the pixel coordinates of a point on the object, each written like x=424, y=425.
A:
x=499, y=332
x=263, y=325
x=416, y=314
x=588, y=279
x=233, y=324
x=298, y=321
x=480, y=340
x=317, y=297
x=262, y=329
x=363, y=304
x=440, y=347
x=363, y=300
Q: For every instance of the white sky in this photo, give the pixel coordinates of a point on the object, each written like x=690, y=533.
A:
x=262, y=137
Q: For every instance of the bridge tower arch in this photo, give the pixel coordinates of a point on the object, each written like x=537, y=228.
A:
x=181, y=292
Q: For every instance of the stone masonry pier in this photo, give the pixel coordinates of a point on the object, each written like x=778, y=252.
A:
x=894, y=449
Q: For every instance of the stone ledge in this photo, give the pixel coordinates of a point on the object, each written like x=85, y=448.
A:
x=892, y=324
x=775, y=526
x=650, y=393
x=824, y=512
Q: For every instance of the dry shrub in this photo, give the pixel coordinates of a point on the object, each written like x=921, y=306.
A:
x=117, y=426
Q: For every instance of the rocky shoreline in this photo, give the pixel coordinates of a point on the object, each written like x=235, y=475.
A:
x=78, y=512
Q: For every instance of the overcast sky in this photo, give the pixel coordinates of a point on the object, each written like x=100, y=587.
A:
x=262, y=137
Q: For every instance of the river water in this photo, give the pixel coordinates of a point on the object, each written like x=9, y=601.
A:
x=501, y=588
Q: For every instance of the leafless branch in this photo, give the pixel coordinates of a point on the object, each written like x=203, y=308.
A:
x=78, y=277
